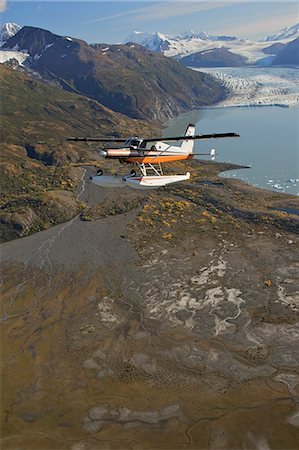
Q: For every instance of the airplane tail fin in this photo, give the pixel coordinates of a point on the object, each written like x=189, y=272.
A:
x=188, y=145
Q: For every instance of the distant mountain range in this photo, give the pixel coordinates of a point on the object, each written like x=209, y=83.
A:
x=279, y=55
x=159, y=42
x=128, y=79
x=221, y=48
x=136, y=78
x=194, y=49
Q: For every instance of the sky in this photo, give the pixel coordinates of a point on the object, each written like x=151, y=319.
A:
x=111, y=21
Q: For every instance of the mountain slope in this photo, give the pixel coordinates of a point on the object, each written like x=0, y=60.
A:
x=156, y=42
x=285, y=33
x=33, y=111
x=162, y=42
x=218, y=57
x=289, y=54
x=37, y=179
x=126, y=78
x=32, y=39
x=274, y=49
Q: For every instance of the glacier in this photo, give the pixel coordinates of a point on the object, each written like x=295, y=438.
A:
x=253, y=86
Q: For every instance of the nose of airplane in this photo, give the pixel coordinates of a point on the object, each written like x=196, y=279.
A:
x=103, y=153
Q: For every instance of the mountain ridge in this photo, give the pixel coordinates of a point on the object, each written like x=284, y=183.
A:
x=285, y=33
x=289, y=54
x=126, y=78
x=218, y=57
x=187, y=43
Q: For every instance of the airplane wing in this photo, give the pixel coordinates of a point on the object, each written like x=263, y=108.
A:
x=157, y=139
x=197, y=136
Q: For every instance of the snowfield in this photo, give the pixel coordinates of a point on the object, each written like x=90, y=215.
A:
x=6, y=55
x=257, y=86
x=251, y=50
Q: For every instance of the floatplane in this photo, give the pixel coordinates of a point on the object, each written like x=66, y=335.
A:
x=148, y=155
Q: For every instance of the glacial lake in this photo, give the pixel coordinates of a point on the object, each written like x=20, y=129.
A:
x=268, y=142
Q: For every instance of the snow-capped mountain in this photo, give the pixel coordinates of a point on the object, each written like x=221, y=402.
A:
x=13, y=55
x=156, y=42
x=285, y=33
x=7, y=31
x=187, y=43
x=172, y=45
x=181, y=45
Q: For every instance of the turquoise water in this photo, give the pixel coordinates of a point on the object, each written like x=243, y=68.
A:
x=269, y=142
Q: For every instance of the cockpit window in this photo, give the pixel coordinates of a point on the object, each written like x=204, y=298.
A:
x=134, y=142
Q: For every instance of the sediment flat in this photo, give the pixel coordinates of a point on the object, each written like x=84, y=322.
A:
x=169, y=321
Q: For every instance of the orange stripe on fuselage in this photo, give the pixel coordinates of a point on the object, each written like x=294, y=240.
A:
x=157, y=159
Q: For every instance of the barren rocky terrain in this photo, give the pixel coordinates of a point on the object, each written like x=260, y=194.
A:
x=163, y=320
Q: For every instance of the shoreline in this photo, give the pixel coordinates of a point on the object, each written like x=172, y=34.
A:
x=103, y=196
x=274, y=189
x=253, y=105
